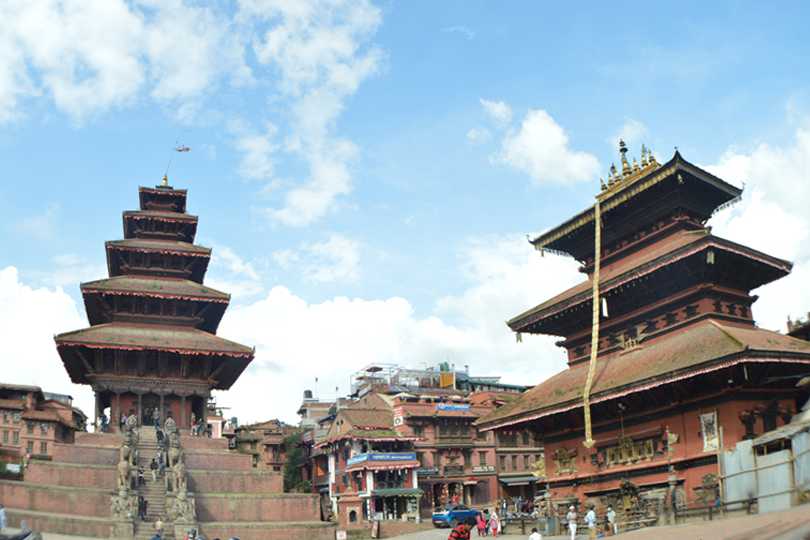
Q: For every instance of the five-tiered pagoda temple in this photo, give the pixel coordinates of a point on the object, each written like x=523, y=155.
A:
x=152, y=347
x=681, y=369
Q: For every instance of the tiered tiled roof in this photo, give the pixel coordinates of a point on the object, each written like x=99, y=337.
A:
x=702, y=347
x=167, y=308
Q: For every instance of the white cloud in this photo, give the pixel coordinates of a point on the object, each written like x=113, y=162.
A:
x=69, y=270
x=773, y=218
x=540, y=148
x=89, y=56
x=498, y=111
x=257, y=153
x=40, y=226
x=319, y=51
x=231, y=273
x=478, y=135
x=632, y=132
x=336, y=259
x=29, y=318
x=297, y=341
x=468, y=34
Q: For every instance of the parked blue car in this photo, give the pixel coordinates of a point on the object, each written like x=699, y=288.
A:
x=453, y=515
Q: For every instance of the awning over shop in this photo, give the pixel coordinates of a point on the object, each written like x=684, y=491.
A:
x=390, y=492
x=518, y=480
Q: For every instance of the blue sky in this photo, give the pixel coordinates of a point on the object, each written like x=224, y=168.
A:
x=366, y=173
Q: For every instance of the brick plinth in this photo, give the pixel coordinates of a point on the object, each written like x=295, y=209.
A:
x=61, y=523
x=70, y=474
x=55, y=499
x=261, y=507
x=85, y=454
x=269, y=531
x=253, y=481
x=217, y=460
x=203, y=443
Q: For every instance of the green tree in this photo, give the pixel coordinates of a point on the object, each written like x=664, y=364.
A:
x=292, y=466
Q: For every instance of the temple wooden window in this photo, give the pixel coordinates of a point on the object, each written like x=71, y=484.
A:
x=671, y=318
x=29, y=428
x=525, y=438
x=652, y=325
x=43, y=447
x=579, y=351
x=732, y=309
x=502, y=463
x=743, y=311
x=482, y=459
x=691, y=310
x=5, y=436
x=30, y=447
x=417, y=430
x=525, y=461
x=43, y=428
x=15, y=437
x=718, y=306
x=514, y=463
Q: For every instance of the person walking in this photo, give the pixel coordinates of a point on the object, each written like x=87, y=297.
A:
x=590, y=521
x=462, y=530
x=2, y=518
x=481, y=524
x=154, y=467
x=495, y=523
x=611, y=519
x=535, y=534
x=122, y=422
x=571, y=517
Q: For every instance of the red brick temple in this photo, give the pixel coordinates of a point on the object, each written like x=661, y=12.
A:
x=152, y=350
x=152, y=344
x=681, y=369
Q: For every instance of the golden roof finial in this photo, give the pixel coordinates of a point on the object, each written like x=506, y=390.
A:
x=636, y=168
x=602, y=183
x=165, y=181
x=623, y=151
x=613, y=175
x=643, y=156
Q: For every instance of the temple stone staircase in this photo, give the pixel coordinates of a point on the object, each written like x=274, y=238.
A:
x=153, y=492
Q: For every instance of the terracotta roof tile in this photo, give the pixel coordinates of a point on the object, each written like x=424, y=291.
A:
x=648, y=259
x=160, y=246
x=179, y=339
x=155, y=286
x=677, y=352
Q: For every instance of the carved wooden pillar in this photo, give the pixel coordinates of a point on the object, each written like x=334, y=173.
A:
x=117, y=410
x=162, y=414
x=140, y=412
x=95, y=410
x=183, y=415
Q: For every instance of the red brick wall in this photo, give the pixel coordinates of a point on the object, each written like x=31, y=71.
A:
x=319, y=531
x=62, y=500
x=62, y=474
x=93, y=527
x=396, y=528
x=286, y=507
x=235, y=481
x=203, y=443
x=98, y=439
x=207, y=460
x=91, y=455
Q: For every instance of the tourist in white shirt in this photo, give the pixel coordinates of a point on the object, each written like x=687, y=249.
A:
x=535, y=535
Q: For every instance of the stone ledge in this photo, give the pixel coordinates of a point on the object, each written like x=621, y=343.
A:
x=50, y=522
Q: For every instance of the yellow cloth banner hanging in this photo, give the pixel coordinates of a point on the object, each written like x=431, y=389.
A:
x=597, y=256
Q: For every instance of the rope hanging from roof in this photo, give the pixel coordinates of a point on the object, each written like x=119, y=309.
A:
x=586, y=393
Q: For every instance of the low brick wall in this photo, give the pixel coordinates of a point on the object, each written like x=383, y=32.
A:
x=252, y=481
x=217, y=460
x=257, y=507
x=98, y=439
x=269, y=531
x=60, y=523
x=396, y=528
x=55, y=499
x=70, y=474
x=85, y=454
x=203, y=443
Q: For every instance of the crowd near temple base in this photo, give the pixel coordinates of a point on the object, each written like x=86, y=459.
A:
x=674, y=406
